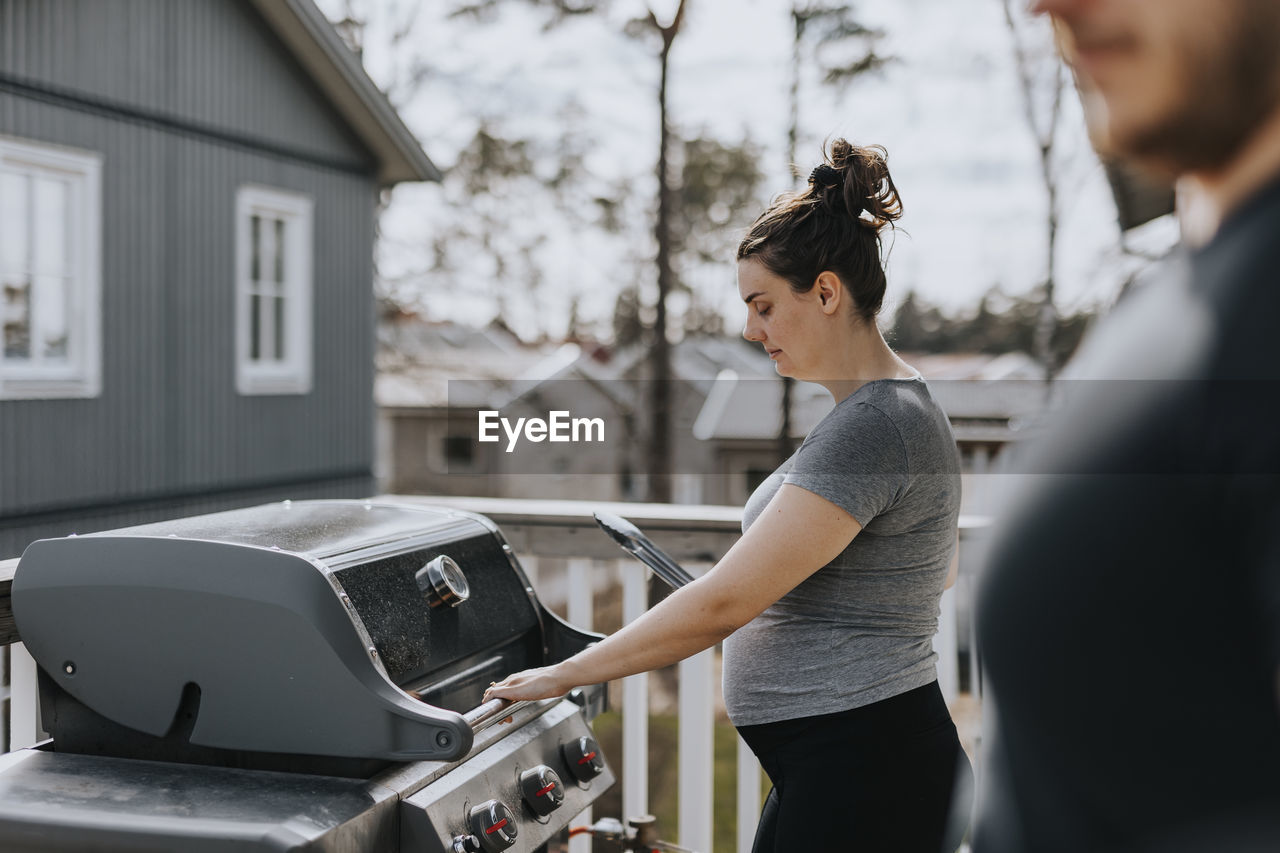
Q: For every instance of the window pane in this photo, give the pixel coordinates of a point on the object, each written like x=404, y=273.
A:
x=51, y=317
x=15, y=212
x=459, y=450
x=255, y=247
x=50, y=268
x=272, y=233
x=15, y=314
x=51, y=225
x=255, y=327
x=267, y=256
x=279, y=305
x=280, y=253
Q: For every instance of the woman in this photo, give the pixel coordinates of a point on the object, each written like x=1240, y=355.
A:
x=829, y=601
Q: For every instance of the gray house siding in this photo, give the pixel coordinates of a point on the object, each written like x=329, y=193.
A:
x=211, y=65
x=185, y=101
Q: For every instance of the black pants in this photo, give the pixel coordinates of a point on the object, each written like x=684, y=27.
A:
x=890, y=776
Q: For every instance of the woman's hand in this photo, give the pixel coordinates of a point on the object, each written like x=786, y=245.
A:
x=546, y=682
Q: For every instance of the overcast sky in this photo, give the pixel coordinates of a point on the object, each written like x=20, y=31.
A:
x=948, y=110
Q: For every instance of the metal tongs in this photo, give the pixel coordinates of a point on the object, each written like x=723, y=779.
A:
x=635, y=543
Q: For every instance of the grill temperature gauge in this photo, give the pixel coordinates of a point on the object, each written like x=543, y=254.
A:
x=443, y=582
x=495, y=826
x=542, y=789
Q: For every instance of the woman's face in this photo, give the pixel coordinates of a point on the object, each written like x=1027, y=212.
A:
x=788, y=324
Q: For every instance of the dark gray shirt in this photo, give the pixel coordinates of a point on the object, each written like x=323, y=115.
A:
x=1129, y=611
x=860, y=629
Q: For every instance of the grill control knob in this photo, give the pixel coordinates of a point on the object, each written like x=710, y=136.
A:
x=542, y=789
x=584, y=759
x=443, y=582
x=495, y=825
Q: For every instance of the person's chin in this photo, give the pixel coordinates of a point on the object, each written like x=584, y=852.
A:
x=1137, y=128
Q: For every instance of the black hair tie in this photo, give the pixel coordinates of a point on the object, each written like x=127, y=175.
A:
x=824, y=176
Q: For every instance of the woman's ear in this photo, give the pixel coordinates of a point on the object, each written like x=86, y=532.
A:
x=830, y=291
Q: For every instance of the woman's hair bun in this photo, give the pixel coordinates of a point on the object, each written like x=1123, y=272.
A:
x=855, y=180
x=835, y=224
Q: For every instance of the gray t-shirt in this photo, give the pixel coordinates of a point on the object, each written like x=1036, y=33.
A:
x=860, y=629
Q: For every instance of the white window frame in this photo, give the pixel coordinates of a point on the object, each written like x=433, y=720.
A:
x=80, y=374
x=292, y=373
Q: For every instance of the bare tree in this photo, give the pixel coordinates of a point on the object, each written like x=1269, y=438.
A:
x=815, y=26
x=718, y=194
x=697, y=180
x=658, y=456
x=659, y=359
x=351, y=27
x=1042, y=80
x=504, y=201
x=823, y=27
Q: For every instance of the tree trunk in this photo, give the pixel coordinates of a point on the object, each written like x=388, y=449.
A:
x=659, y=451
x=782, y=441
x=1047, y=317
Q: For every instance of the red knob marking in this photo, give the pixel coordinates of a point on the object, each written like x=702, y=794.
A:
x=586, y=758
x=544, y=791
x=491, y=830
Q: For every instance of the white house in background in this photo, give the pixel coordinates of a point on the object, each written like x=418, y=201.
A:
x=434, y=380
x=990, y=400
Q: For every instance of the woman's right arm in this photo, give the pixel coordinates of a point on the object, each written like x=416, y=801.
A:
x=797, y=533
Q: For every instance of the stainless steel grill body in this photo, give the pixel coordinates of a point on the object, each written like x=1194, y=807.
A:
x=299, y=676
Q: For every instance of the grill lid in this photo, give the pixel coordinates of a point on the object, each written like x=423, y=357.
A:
x=258, y=645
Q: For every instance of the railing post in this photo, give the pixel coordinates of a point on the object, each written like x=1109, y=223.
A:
x=4, y=700
x=581, y=612
x=697, y=746
x=945, y=644
x=975, y=660
x=748, y=796
x=635, y=700
x=24, y=706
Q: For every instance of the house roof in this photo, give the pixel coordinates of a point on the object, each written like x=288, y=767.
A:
x=750, y=407
x=984, y=396
x=988, y=398
x=425, y=365
x=313, y=41
x=695, y=359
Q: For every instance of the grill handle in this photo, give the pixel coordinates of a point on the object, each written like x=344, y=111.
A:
x=486, y=714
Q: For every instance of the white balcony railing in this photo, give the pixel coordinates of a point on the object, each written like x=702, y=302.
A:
x=572, y=566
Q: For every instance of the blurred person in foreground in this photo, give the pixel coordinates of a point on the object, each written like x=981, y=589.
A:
x=831, y=595
x=1129, y=614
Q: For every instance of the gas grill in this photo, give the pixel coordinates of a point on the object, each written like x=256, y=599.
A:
x=298, y=676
